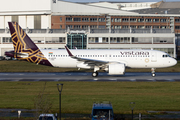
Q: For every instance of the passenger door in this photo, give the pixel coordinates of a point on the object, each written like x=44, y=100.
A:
x=153, y=56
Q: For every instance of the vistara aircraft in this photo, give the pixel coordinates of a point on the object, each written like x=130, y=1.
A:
x=112, y=61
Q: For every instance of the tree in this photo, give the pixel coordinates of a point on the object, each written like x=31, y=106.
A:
x=42, y=103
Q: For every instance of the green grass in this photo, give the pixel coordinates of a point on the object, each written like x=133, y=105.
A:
x=23, y=66
x=78, y=97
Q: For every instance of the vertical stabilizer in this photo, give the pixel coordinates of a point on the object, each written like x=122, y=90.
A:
x=24, y=47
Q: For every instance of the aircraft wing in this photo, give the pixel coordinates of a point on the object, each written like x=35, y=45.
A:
x=90, y=62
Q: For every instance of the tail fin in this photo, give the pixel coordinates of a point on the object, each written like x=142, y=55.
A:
x=24, y=47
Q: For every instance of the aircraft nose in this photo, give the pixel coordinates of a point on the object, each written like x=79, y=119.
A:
x=174, y=62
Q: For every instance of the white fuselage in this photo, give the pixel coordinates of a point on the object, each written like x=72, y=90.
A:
x=131, y=58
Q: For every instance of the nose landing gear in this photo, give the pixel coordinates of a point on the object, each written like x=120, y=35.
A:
x=153, y=72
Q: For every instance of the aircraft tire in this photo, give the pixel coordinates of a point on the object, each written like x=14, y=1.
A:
x=153, y=74
x=95, y=74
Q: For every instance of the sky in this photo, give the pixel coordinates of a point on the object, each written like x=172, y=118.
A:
x=120, y=0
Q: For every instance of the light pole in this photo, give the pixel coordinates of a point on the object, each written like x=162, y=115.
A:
x=132, y=105
x=60, y=87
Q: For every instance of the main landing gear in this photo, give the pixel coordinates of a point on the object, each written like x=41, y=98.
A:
x=153, y=72
x=95, y=73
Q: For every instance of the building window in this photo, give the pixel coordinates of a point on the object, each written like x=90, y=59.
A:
x=125, y=27
x=122, y=40
x=112, y=19
x=60, y=19
x=102, y=27
x=69, y=26
x=125, y=19
x=119, y=39
x=77, y=19
x=163, y=27
x=52, y=40
x=105, y=39
x=163, y=20
x=163, y=40
x=77, y=27
x=85, y=19
x=155, y=20
x=133, y=27
x=133, y=20
x=84, y=26
x=177, y=20
x=60, y=26
x=113, y=40
x=141, y=40
x=117, y=27
x=134, y=40
x=62, y=39
x=148, y=20
x=126, y=39
x=117, y=19
x=155, y=27
x=177, y=27
x=101, y=19
x=96, y=40
x=141, y=20
x=69, y=19
x=141, y=27
x=76, y=40
x=7, y=40
x=93, y=26
x=93, y=39
x=93, y=19
x=148, y=27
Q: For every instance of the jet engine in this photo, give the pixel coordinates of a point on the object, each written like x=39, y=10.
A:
x=116, y=69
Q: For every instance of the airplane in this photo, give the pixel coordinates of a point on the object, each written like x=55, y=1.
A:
x=112, y=61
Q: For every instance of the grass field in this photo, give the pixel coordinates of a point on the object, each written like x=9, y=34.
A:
x=78, y=97
x=23, y=66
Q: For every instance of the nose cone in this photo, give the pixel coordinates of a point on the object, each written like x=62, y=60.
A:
x=174, y=62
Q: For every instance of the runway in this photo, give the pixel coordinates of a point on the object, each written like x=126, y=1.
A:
x=83, y=76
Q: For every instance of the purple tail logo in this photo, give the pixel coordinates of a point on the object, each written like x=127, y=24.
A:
x=24, y=47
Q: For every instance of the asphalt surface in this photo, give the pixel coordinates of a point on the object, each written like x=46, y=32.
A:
x=77, y=76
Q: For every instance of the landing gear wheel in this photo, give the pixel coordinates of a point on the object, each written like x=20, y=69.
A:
x=153, y=74
x=95, y=74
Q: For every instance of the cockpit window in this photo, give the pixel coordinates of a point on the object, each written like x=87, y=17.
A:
x=166, y=56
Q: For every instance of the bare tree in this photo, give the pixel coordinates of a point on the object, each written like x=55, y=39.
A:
x=42, y=103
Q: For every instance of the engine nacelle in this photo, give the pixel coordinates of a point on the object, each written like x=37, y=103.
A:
x=116, y=69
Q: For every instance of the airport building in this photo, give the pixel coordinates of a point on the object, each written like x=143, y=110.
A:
x=52, y=24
